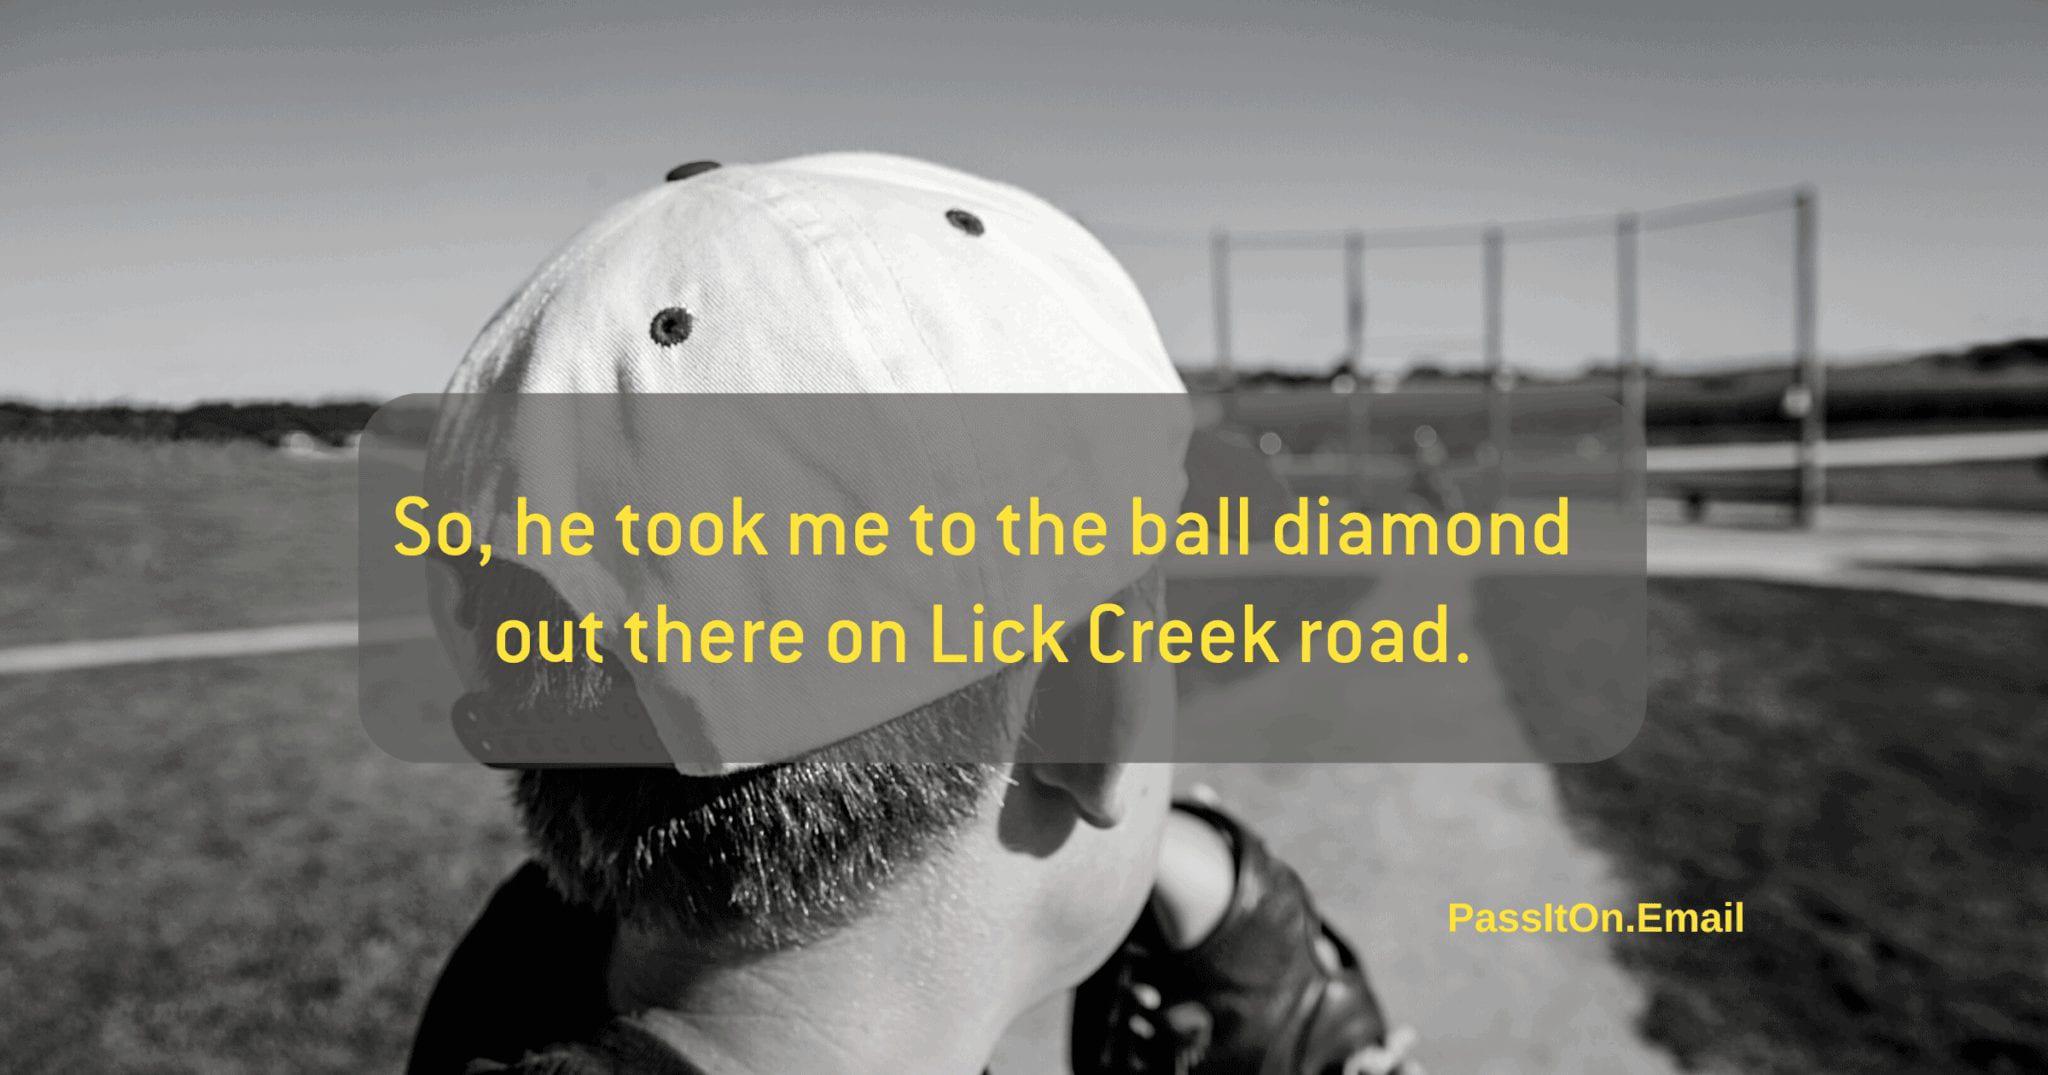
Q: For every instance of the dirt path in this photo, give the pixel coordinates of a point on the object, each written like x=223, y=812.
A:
x=1927, y=552
x=1387, y=847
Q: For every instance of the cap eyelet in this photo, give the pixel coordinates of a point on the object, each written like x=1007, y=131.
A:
x=685, y=171
x=965, y=221
x=671, y=326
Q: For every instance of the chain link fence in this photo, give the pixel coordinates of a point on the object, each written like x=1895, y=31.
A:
x=1694, y=298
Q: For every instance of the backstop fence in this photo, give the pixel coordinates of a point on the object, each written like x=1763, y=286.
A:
x=1718, y=289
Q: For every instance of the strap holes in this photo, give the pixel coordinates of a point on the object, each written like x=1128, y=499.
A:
x=671, y=326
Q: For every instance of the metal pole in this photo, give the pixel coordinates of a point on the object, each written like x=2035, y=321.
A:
x=1219, y=279
x=1812, y=375
x=1354, y=356
x=1496, y=381
x=1629, y=364
x=1492, y=297
x=1354, y=303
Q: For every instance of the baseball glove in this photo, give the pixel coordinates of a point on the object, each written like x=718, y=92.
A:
x=1273, y=990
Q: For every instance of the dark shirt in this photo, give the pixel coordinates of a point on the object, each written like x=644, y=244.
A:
x=529, y=974
x=524, y=993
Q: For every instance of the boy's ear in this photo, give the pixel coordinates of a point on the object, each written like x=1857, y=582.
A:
x=447, y=604
x=1089, y=719
x=1094, y=790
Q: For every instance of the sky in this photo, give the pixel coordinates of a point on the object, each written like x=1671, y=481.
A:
x=326, y=200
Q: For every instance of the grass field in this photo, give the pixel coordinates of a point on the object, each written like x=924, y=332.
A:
x=207, y=865
x=1870, y=773
x=105, y=537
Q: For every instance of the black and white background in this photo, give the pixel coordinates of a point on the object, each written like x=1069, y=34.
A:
x=1805, y=244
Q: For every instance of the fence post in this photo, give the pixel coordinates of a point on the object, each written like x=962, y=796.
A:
x=1629, y=365
x=1812, y=375
x=1354, y=357
x=1496, y=369
x=1354, y=303
x=1219, y=282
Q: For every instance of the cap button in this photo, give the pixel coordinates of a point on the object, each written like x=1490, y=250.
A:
x=685, y=171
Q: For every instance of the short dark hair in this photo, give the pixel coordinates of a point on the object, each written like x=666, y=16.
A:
x=756, y=861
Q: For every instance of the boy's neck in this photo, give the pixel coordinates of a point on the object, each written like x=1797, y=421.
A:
x=872, y=997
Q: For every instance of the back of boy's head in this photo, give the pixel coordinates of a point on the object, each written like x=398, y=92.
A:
x=838, y=273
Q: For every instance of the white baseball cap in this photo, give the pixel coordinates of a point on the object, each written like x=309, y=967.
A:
x=839, y=273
